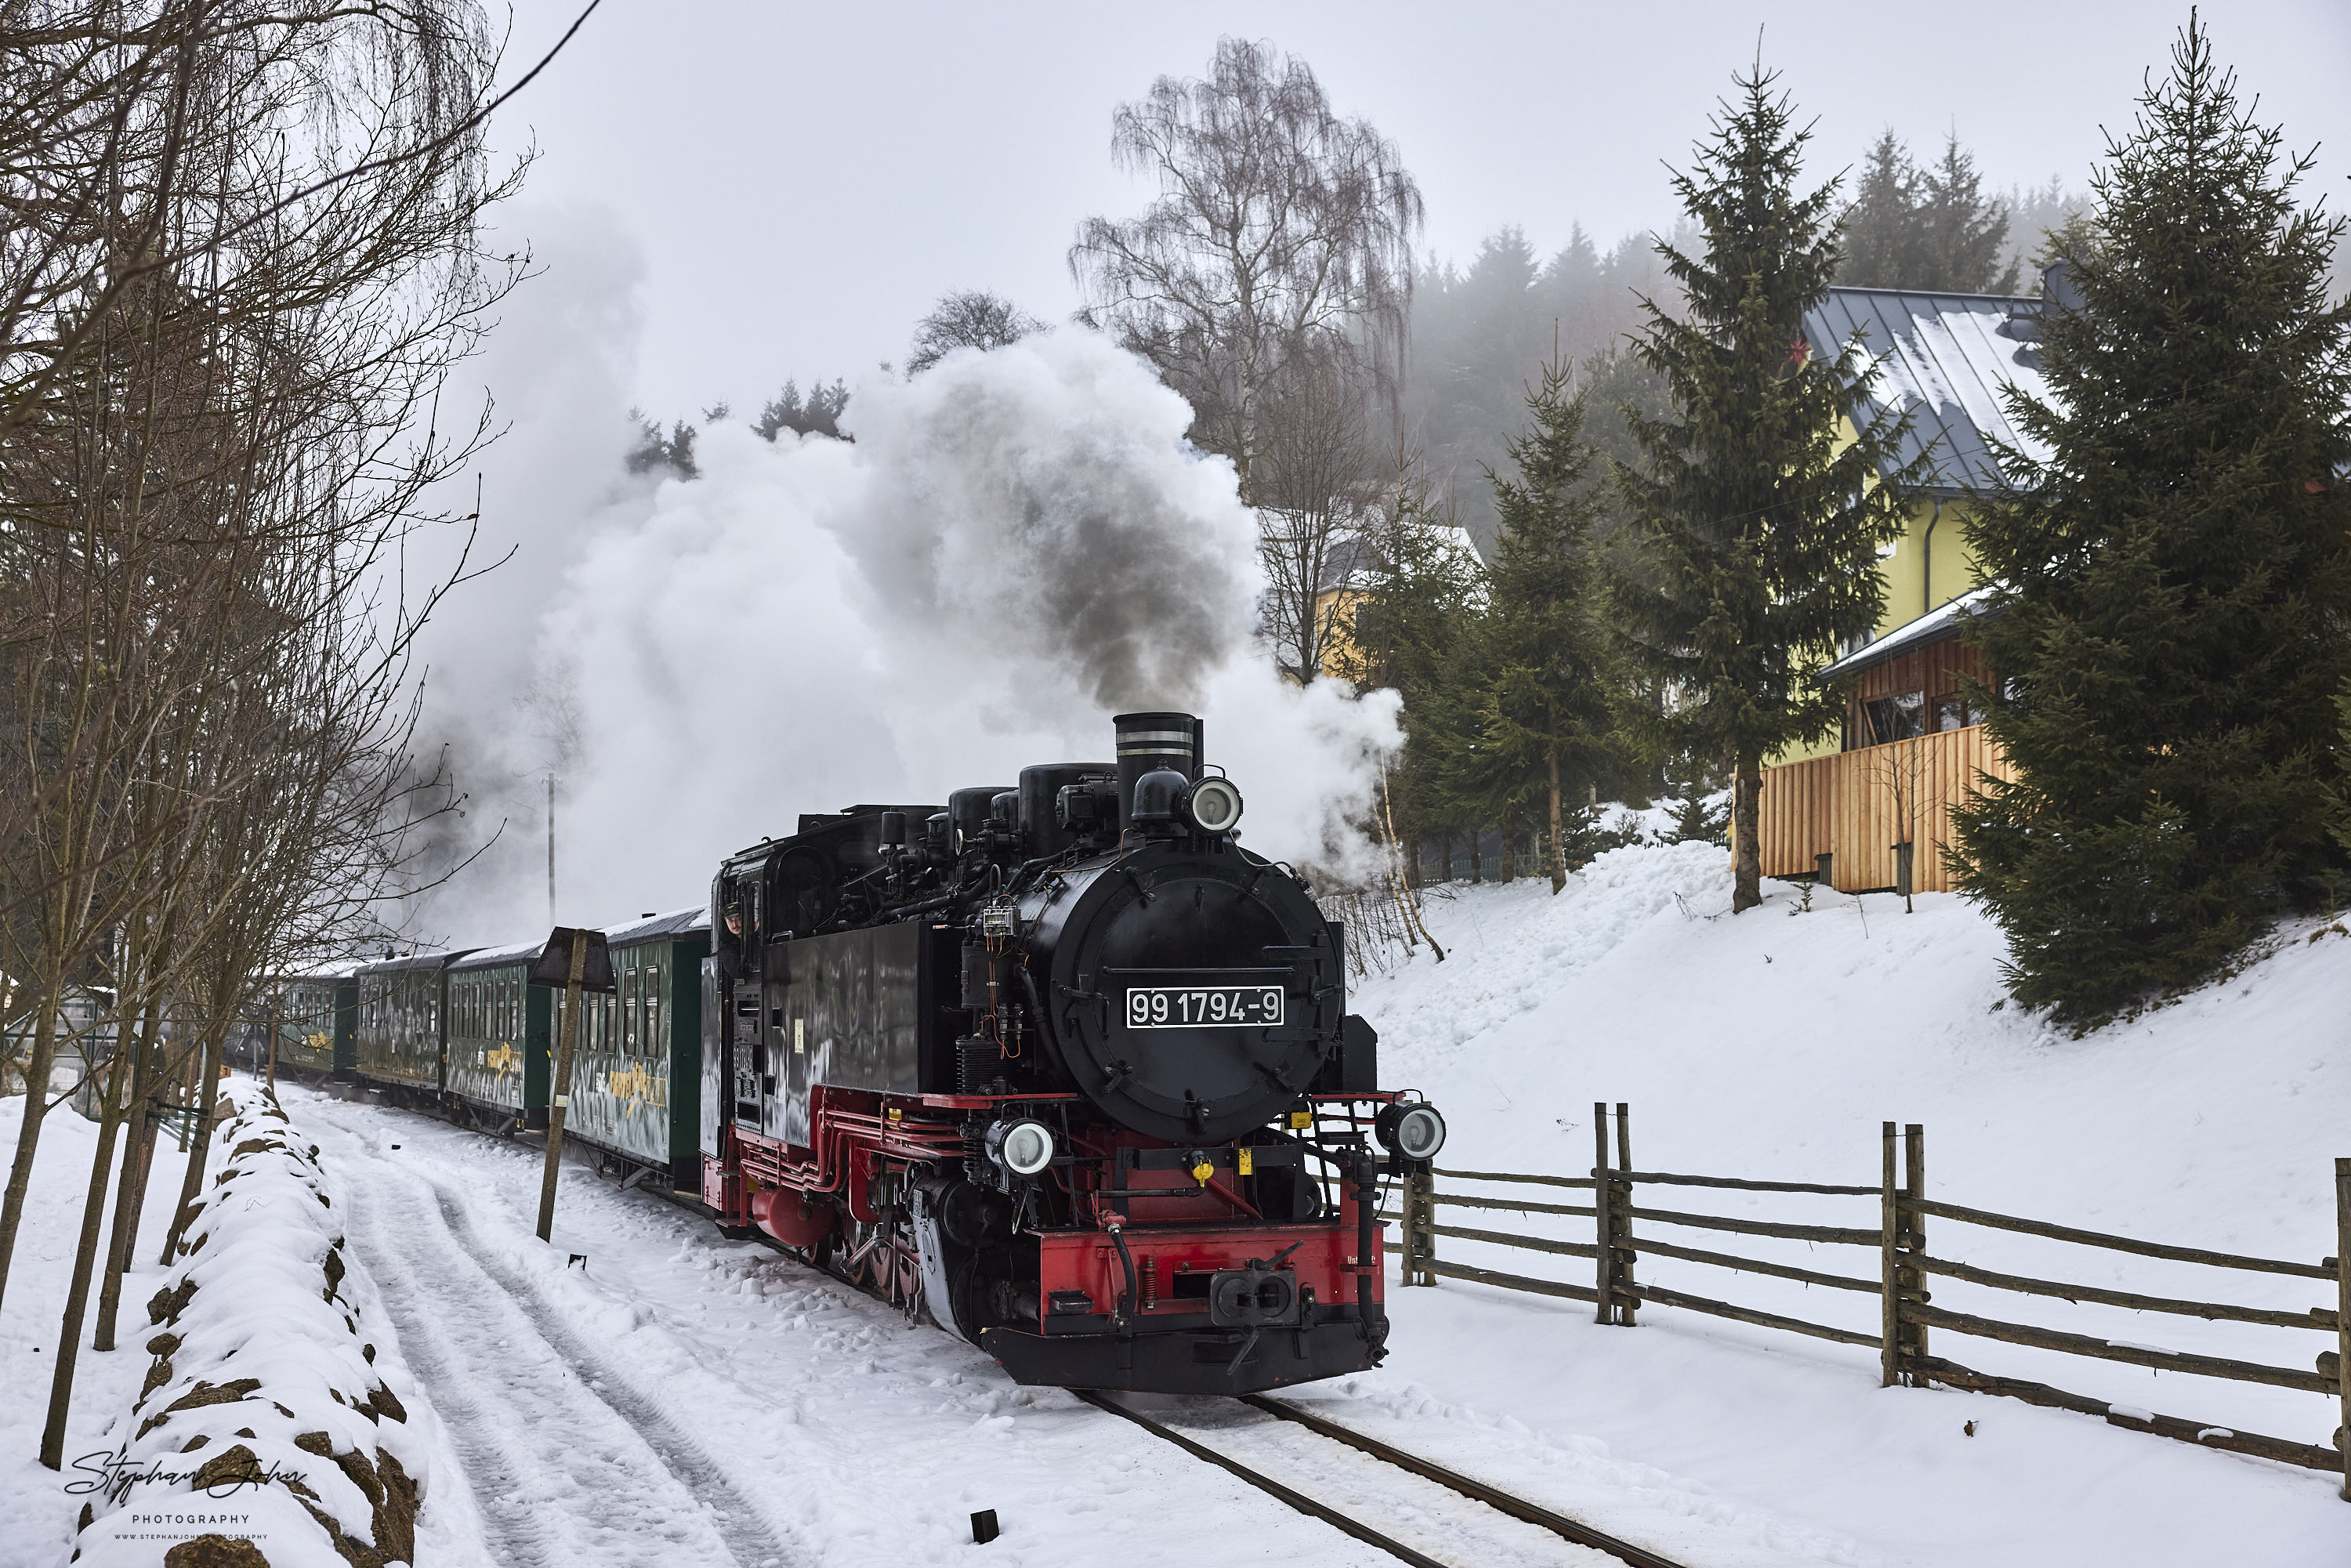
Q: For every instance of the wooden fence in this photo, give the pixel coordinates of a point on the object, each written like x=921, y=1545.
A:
x=1907, y=1313
x=1866, y=809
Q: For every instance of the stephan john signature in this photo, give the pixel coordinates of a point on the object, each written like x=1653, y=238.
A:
x=113, y=1476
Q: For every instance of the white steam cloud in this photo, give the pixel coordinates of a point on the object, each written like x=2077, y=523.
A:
x=1017, y=544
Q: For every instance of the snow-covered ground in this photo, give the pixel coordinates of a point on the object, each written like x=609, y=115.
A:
x=680, y=1398
x=37, y=1513
x=1773, y=1045
x=677, y=1391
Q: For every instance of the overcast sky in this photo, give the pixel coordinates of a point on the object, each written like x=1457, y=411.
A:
x=803, y=181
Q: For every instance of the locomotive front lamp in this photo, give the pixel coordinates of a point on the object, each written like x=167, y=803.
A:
x=1213, y=805
x=1023, y=1147
x=1415, y=1132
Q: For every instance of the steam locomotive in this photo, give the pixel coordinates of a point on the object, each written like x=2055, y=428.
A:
x=1065, y=1064
x=1062, y=1063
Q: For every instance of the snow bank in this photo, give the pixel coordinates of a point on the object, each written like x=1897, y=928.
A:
x=274, y=1413
x=1519, y=945
x=1773, y=1044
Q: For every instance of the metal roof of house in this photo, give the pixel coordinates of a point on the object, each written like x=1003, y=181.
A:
x=1931, y=627
x=1947, y=360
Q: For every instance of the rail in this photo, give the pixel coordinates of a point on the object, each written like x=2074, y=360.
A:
x=1506, y=1503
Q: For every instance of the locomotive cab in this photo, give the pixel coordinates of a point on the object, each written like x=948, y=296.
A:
x=1064, y=1065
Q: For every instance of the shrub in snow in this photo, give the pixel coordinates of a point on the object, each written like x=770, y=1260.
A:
x=268, y=1426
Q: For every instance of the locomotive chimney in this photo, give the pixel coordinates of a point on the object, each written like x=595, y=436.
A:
x=1148, y=742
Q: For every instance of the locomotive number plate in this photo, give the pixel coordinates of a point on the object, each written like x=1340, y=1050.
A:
x=1199, y=1007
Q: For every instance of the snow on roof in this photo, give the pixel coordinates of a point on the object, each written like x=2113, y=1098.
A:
x=435, y=960
x=333, y=969
x=1931, y=627
x=1350, y=562
x=489, y=957
x=676, y=923
x=1946, y=359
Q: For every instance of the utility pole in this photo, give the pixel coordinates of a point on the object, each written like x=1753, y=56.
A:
x=551, y=848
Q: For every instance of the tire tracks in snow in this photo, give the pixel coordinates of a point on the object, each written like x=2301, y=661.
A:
x=490, y=1471
x=667, y=1493
x=740, y=1521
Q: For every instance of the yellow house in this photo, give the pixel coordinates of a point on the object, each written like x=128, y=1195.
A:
x=1342, y=591
x=1868, y=809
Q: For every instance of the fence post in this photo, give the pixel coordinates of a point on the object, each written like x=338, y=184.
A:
x=1425, y=1209
x=1620, y=1214
x=2343, y=1314
x=1605, y=1267
x=1889, y=1311
x=1913, y=1282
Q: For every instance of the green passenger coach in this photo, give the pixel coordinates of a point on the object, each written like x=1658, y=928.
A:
x=497, y=1037
x=400, y=1020
x=636, y=1078
x=317, y=1022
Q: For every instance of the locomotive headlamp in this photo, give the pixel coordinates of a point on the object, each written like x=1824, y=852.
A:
x=1214, y=806
x=1023, y=1147
x=1414, y=1131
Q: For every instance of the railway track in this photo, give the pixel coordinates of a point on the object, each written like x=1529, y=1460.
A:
x=762, y=1549
x=1493, y=1498
x=1572, y=1530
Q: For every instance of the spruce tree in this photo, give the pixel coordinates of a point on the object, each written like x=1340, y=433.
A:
x=1962, y=232
x=2170, y=577
x=1421, y=593
x=1761, y=527
x=1931, y=229
x=1544, y=699
x=1881, y=227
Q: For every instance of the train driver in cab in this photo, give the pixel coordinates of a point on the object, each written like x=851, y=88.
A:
x=732, y=948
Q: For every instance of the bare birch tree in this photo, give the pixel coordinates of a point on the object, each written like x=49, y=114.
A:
x=1318, y=477
x=1278, y=224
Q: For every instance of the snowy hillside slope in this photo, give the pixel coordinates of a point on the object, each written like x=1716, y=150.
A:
x=1773, y=1044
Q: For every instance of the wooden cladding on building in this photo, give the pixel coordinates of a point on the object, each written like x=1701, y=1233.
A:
x=1859, y=807
x=1924, y=687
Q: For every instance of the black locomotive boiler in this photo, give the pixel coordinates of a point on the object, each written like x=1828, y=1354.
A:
x=1065, y=1064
